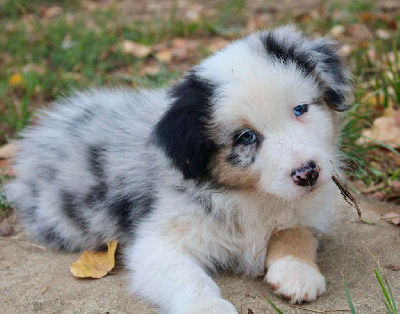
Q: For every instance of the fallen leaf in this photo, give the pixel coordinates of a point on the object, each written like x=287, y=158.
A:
x=89, y=5
x=8, y=150
x=392, y=267
x=44, y=289
x=164, y=55
x=180, y=53
x=337, y=31
x=16, y=80
x=345, y=50
x=217, y=44
x=135, y=49
x=92, y=264
x=385, y=129
x=382, y=34
x=5, y=167
x=393, y=218
x=53, y=12
x=151, y=69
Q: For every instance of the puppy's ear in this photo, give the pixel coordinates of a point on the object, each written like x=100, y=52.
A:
x=182, y=131
x=334, y=73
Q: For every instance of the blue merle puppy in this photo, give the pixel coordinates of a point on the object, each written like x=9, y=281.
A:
x=230, y=167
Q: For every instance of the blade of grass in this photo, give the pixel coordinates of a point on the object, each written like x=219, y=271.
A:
x=378, y=276
x=349, y=300
x=391, y=296
x=277, y=310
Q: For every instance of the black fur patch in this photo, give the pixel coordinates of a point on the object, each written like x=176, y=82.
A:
x=128, y=211
x=97, y=193
x=48, y=173
x=71, y=210
x=287, y=53
x=332, y=62
x=96, y=160
x=243, y=155
x=83, y=119
x=333, y=65
x=335, y=100
x=182, y=131
x=52, y=238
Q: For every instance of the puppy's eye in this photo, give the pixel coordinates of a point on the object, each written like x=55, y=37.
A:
x=300, y=109
x=246, y=137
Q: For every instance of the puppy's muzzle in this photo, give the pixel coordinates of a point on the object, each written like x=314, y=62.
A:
x=306, y=175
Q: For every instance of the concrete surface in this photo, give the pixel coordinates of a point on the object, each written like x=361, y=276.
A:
x=33, y=280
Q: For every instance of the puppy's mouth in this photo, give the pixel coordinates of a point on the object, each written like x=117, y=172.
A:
x=309, y=191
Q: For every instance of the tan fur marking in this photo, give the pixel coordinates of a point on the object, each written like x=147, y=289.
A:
x=176, y=228
x=231, y=176
x=297, y=242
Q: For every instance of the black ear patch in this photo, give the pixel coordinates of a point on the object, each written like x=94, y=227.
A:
x=337, y=80
x=287, y=52
x=182, y=131
x=318, y=58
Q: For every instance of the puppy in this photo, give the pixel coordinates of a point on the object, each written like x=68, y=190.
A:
x=230, y=168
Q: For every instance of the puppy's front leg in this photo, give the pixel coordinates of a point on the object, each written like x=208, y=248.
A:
x=173, y=280
x=292, y=271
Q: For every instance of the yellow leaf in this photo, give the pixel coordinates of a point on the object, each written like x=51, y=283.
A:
x=92, y=264
x=16, y=79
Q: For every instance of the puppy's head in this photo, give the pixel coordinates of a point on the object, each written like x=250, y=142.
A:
x=260, y=114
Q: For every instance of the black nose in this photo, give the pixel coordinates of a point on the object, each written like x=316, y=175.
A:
x=306, y=175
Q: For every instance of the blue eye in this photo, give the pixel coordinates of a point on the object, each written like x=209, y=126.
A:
x=300, y=109
x=246, y=137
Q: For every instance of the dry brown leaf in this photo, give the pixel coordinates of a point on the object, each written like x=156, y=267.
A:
x=337, y=31
x=385, y=129
x=217, y=44
x=53, y=11
x=382, y=33
x=151, y=69
x=135, y=49
x=393, y=218
x=392, y=267
x=5, y=167
x=164, y=55
x=8, y=151
x=92, y=264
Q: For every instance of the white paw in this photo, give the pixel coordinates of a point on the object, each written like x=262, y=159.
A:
x=213, y=306
x=295, y=280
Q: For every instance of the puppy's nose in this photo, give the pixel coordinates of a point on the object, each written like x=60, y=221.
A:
x=306, y=175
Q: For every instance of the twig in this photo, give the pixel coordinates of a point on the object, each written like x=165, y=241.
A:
x=23, y=242
x=319, y=311
x=348, y=197
x=376, y=260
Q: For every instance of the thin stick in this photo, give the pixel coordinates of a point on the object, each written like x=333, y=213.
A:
x=23, y=242
x=348, y=197
x=376, y=260
x=319, y=311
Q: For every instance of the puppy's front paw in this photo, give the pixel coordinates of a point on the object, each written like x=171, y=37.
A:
x=295, y=280
x=213, y=306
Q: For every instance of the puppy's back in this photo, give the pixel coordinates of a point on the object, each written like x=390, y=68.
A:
x=84, y=165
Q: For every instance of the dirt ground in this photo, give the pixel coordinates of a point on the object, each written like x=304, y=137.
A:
x=36, y=280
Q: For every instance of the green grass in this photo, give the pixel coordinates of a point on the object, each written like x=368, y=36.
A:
x=57, y=55
x=377, y=89
x=5, y=206
x=388, y=298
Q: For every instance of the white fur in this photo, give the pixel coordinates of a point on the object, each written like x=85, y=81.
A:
x=170, y=248
x=295, y=279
